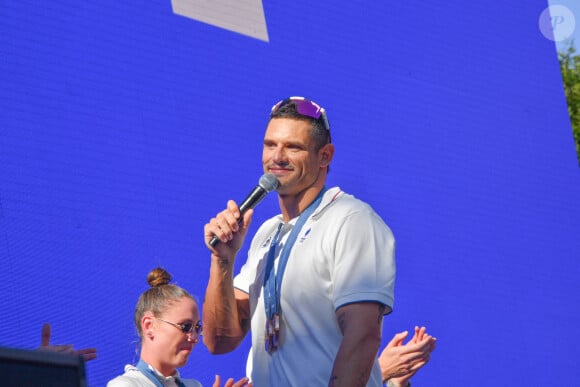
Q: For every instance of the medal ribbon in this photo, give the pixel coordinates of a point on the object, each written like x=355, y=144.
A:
x=151, y=375
x=273, y=281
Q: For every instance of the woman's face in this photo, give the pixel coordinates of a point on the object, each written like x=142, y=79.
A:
x=170, y=346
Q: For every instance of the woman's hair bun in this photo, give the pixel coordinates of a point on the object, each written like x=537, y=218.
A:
x=158, y=277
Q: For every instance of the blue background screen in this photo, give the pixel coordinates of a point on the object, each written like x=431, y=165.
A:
x=125, y=126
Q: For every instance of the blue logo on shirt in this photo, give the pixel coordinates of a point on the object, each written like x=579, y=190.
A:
x=305, y=235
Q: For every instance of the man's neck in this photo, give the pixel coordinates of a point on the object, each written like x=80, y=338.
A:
x=293, y=205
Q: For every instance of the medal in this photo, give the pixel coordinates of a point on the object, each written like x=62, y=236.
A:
x=272, y=333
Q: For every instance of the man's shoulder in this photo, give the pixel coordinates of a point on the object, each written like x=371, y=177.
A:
x=337, y=200
x=343, y=208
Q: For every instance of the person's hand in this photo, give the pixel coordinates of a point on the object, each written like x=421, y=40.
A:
x=227, y=228
x=87, y=353
x=400, y=362
x=243, y=382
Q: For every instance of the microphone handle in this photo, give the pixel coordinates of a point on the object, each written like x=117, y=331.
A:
x=249, y=202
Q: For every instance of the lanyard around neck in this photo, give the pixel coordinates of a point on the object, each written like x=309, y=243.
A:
x=272, y=280
x=151, y=375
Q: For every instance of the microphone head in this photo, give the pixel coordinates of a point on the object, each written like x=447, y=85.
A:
x=268, y=182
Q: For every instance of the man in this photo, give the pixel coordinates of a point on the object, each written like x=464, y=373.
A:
x=319, y=277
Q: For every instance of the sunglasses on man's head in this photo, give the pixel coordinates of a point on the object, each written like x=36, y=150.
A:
x=305, y=107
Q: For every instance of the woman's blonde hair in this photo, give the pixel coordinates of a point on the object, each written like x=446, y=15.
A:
x=158, y=297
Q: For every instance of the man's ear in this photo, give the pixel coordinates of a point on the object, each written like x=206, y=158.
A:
x=326, y=153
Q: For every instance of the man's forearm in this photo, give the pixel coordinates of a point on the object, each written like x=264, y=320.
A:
x=361, y=326
x=354, y=362
x=221, y=317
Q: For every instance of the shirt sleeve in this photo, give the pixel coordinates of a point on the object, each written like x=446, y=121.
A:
x=364, y=267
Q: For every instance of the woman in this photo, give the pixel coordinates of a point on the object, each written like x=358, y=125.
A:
x=168, y=323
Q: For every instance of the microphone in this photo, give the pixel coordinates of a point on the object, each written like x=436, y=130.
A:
x=267, y=183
